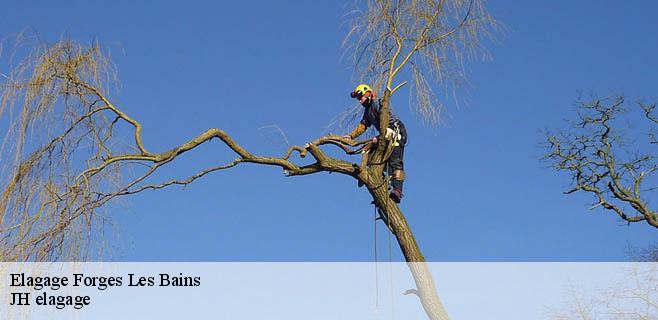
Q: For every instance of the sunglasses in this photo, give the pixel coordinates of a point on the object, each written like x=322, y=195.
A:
x=356, y=94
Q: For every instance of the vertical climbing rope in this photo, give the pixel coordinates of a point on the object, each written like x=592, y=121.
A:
x=376, y=266
x=383, y=215
x=390, y=246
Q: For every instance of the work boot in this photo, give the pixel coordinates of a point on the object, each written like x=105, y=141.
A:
x=396, y=190
x=396, y=195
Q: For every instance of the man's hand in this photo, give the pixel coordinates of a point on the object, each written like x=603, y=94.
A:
x=368, y=146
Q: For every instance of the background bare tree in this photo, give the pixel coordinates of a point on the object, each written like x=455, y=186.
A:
x=67, y=159
x=634, y=299
x=604, y=160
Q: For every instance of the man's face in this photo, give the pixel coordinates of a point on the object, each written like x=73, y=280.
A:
x=365, y=99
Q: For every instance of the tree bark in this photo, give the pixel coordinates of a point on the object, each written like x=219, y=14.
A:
x=395, y=220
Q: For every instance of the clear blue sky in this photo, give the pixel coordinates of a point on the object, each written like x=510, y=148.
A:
x=475, y=190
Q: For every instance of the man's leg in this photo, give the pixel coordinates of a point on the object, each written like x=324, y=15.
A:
x=396, y=172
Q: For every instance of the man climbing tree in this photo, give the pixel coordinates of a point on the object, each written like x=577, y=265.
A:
x=395, y=131
x=67, y=159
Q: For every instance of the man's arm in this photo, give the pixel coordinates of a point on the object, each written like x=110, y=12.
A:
x=360, y=129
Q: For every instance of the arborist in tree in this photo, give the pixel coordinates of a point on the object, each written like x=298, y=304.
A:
x=395, y=131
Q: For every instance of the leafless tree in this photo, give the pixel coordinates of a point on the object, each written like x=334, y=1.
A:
x=608, y=163
x=634, y=299
x=67, y=159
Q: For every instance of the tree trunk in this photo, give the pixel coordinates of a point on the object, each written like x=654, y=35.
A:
x=396, y=222
x=425, y=288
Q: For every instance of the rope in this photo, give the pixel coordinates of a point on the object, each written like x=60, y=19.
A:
x=390, y=247
x=384, y=216
x=376, y=266
x=390, y=264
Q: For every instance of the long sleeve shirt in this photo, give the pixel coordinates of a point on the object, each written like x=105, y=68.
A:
x=370, y=117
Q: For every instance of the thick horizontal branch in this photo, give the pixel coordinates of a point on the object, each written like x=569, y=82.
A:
x=323, y=161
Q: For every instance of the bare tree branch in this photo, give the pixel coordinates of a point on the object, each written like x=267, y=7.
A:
x=434, y=36
x=47, y=190
x=593, y=155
